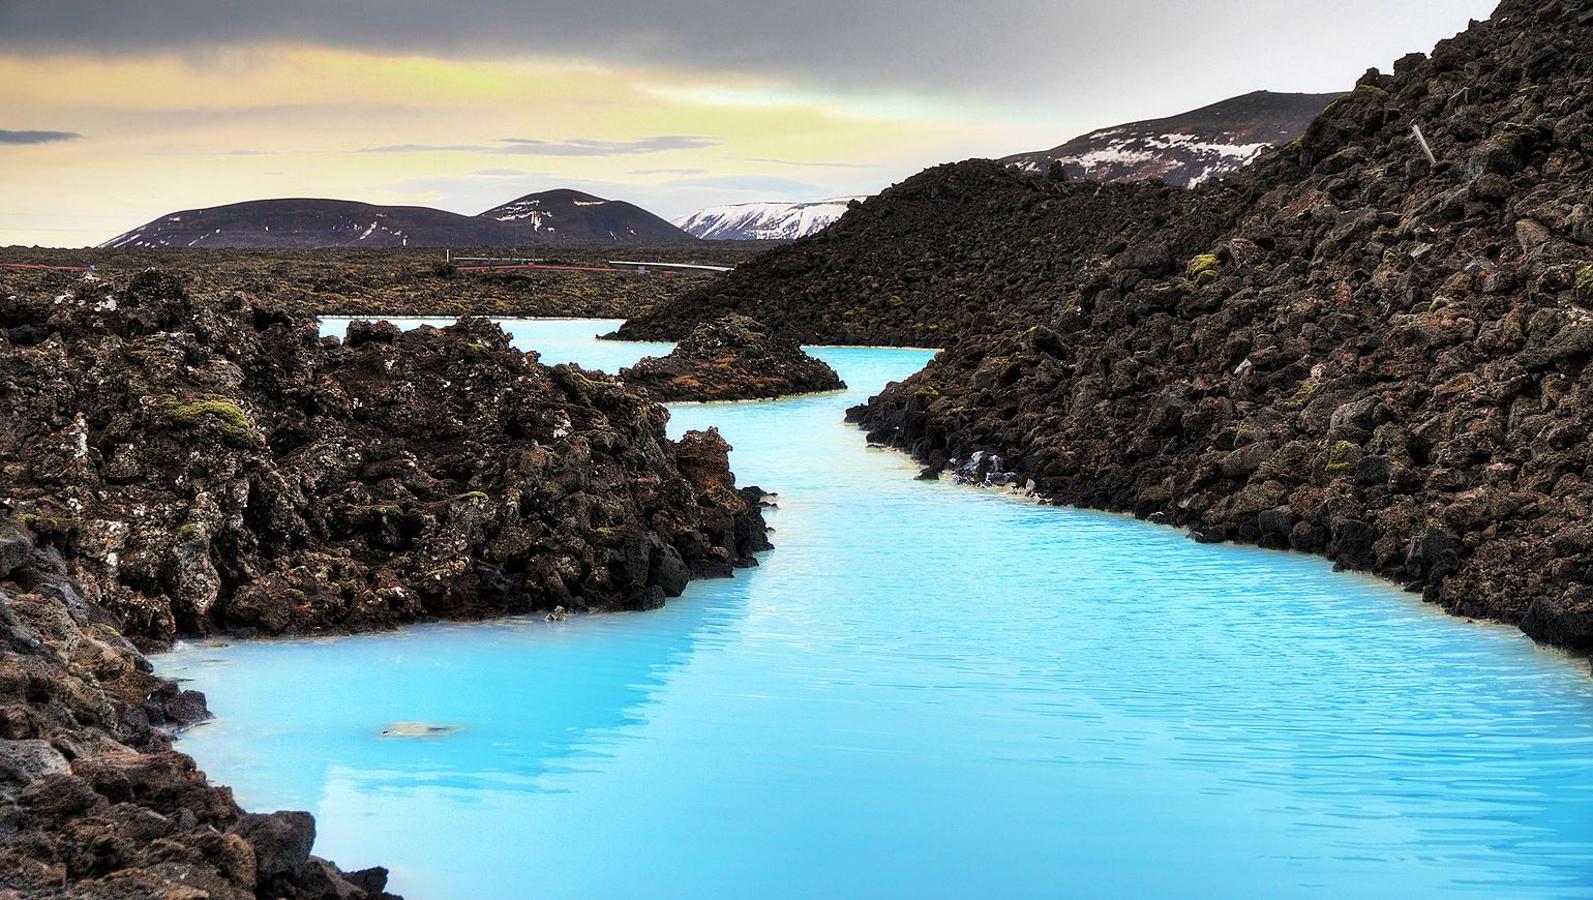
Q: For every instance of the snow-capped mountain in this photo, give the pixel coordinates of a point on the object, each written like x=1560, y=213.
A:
x=565, y=214
x=763, y=221
x=1186, y=149
x=299, y=224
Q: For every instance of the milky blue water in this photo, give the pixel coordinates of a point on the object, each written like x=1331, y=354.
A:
x=928, y=691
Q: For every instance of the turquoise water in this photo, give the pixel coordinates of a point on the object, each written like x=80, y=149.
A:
x=928, y=691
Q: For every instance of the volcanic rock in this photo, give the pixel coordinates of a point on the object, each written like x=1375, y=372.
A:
x=1344, y=347
x=180, y=465
x=733, y=358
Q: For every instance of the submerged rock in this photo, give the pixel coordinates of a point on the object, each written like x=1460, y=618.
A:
x=420, y=730
x=733, y=358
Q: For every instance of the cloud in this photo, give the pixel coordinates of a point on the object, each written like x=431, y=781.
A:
x=1032, y=55
x=36, y=137
x=766, y=185
x=669, y=171
x=429, y=148
x=573, y=147
x=587, y=147
x=811, y=164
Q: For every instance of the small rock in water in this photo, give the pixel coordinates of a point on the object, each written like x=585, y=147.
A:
x=930, y=473
x=734, y=358
x=558, y=614
x=420, y=729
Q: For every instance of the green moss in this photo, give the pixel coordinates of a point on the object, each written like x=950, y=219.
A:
x=1342, y=458
x=223, y=416
x=1205, y=262
x=194, y=413
x=47, y=525
x=1584, y=284
x=1303, y=394
x=577, y=386
x=1203, y=269
x=189, y=531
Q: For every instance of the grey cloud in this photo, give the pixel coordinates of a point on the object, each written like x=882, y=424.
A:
x=798, y=162
x=36, y=137
x=587, y=147
x=430, y=148
x=1101, y=60
x=767, y=185
x=669, y=171
x=573, y=147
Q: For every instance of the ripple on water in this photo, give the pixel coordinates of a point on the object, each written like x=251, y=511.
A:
x=932, y=691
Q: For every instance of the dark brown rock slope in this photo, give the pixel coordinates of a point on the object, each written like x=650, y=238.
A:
x=175, y=466
x=1347, y=350
x=93, y=801
x=965, y=248
x=733, y=358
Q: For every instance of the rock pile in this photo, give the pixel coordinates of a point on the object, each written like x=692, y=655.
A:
x=176, y=466
x=733, y=358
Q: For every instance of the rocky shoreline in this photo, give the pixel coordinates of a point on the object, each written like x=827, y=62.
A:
x=1350, y=349
x=733, y=358
x=177, y=464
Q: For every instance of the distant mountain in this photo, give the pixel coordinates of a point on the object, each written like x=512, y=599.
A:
x=295, y=224
x=573, y=215
x=307, y=224
x=1188, y=148
x=763, y=221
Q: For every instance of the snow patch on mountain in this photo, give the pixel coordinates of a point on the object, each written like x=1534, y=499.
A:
x=764, y=221
x=1187, y=149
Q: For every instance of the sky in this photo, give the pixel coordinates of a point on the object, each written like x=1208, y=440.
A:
x=114, y=112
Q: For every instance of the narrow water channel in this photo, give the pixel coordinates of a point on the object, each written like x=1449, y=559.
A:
x=928, y=691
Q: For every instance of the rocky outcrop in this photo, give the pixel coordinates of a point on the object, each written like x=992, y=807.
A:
x=93, y=800
x=1380, y=359
x=171, y=465
x=222, y=467
x=959, y=250
x=733, y=358
x=1349, y=349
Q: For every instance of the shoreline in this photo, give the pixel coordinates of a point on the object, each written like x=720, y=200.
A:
x=1166, y=517
x=196, y=466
